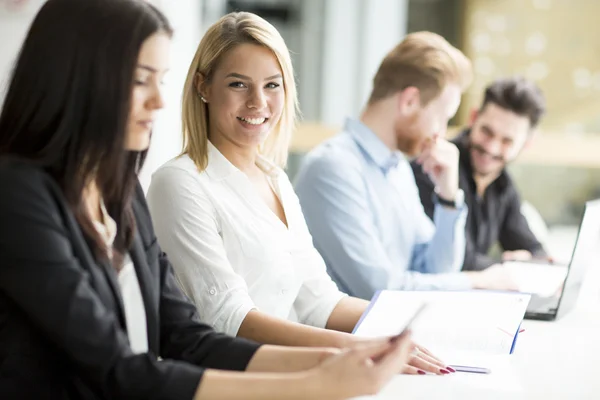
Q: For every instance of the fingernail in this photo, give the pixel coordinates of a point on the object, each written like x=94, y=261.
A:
x=450, y=369
x=444, y=371
x=421, y=372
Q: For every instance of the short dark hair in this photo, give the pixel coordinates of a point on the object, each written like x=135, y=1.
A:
x=519, y=95
x=68, y=102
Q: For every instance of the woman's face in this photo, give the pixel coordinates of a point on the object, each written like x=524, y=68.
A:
x=146, y=99
x=245, y=96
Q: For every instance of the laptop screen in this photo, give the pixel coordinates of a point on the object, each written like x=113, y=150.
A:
x=585, y=253
x=555, y=288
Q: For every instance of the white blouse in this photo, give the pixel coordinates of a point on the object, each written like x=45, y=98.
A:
x=133, y=303
x=230, y=252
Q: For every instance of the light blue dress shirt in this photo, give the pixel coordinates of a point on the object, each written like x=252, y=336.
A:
x=363, y=210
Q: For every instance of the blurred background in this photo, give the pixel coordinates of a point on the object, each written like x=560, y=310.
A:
x=337, y=45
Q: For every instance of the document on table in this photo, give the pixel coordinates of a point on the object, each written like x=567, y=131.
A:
x=474, y=321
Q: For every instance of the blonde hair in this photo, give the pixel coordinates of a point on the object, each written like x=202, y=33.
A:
x=230, y=31
x=423, y=60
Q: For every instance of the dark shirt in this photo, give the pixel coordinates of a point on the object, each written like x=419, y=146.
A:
x=63, y=333
x=495, y=217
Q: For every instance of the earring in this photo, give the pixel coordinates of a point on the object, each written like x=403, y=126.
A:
x=202, y=98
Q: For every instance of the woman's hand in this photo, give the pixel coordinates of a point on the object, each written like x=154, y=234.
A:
x=361, y=370
x=422, y=361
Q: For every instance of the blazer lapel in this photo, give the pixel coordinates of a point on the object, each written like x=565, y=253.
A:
x=104, y=275
x=138, y=257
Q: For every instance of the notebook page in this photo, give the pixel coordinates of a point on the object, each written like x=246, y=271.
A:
x=472, y=321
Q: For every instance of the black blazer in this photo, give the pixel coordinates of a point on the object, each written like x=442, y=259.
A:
x=62, y=327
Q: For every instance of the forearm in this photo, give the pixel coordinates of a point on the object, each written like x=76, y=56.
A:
x=226, y=385
x=264, y=328
x=346, y=314
x=271, y=358
x=446, y=250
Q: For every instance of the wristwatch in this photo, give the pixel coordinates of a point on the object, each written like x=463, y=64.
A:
x=458, y=202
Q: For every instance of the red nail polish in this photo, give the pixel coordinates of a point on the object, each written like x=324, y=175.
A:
x=444, y=371
x=450, y=369
x=421, y=372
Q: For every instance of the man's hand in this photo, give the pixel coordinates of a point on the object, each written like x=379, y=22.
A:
x=439, y=159
x=495, y=277
x=517, y=255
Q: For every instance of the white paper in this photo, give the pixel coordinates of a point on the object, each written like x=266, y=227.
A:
x=545, y=280
x=469, y=321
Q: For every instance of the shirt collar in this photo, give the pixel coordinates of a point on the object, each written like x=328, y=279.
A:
x=219, y=167
x=372, y=146
x=108, y=230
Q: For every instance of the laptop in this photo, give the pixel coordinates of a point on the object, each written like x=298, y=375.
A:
x=550, y=306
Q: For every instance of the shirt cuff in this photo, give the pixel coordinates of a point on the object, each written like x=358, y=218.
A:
x=235, y=356
x=231, y=318
x=182, y=382
x=449, y=215
x=451, y=220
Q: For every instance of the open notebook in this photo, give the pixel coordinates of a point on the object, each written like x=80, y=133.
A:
x=473, y=321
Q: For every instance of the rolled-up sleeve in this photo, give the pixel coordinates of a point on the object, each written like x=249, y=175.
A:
x=187, y=227
x=184, y=338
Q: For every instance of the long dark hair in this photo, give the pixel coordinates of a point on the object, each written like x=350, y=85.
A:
x=67, y=105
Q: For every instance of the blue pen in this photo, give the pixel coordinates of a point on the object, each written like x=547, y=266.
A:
x=474, y=370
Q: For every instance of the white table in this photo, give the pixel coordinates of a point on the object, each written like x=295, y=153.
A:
x=552, y=360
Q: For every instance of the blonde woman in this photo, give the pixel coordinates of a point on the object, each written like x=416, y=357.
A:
x=225, y=210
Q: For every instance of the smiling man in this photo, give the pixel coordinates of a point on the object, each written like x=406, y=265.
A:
x=501, y=128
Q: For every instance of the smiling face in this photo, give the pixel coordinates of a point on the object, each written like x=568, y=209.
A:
x=245, y=96
x=497, y=137
x=146, y=98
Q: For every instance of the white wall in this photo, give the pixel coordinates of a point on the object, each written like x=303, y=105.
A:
x=357, y=34
x=385, y=23
x=14, y=23
x=185, y=16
